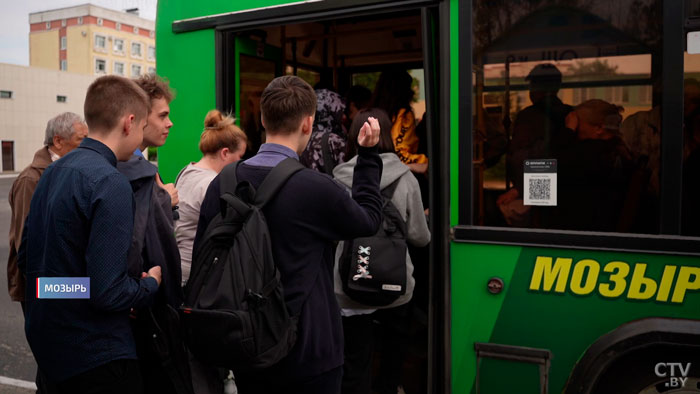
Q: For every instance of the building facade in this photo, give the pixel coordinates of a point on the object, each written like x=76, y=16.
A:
x=88, y=39
x=29, y=97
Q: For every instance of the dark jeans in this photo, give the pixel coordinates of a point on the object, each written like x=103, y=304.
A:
x=115, y=377
x=359, y=346
x=325, y=383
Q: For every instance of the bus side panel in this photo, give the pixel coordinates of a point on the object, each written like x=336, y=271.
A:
x=562, y=301
x=475, y=310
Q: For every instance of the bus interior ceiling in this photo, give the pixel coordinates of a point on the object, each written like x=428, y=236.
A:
x=330, y=51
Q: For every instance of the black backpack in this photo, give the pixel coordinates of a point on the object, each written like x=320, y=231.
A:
x=373, y=269
x=234, y=315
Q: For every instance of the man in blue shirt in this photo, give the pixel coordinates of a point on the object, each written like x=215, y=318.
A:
x=79, y=225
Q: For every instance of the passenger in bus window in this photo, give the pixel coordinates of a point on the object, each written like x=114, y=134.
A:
x=153, y=241
x=597, y=186
x=691, y=170
x=534, y=129
x=356, y=99
x=394, y=94
x=326, y=148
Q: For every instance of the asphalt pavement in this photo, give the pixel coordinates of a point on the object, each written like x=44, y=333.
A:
x=16, y=360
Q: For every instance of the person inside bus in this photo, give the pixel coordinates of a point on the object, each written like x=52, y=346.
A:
x=690, y=223
x=326, y=148
x=394, y=94
x=534, y=130
x=394, y=319
x=356, y=99
x=594, y=173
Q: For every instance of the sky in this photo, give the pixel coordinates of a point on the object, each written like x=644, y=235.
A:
x=14, y=21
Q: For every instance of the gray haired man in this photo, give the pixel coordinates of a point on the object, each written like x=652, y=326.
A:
x=63, y=134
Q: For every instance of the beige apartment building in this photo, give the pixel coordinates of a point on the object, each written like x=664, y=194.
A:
x=88, y=39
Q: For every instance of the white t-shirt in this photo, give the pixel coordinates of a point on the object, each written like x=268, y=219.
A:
x=191, y=187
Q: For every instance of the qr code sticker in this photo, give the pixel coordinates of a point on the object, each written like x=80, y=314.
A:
x=540, y=189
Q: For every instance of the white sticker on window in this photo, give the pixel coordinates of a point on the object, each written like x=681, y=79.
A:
x=540, y=182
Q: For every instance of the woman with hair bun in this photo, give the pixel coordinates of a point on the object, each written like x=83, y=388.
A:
x=222, y=143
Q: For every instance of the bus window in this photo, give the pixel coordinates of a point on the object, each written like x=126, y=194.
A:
x=690, y=214
x=310, y=76
x=255, y=74
x=566, y=125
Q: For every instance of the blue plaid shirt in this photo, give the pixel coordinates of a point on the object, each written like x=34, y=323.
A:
x=79, y=225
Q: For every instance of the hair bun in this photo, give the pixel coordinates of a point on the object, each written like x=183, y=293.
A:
x=213, y=118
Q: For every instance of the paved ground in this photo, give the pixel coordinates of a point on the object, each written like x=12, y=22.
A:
x=16, y=360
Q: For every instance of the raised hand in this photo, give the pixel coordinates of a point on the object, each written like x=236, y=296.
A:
x=369, y=133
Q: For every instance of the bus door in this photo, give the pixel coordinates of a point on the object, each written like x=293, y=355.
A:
x=256, y=64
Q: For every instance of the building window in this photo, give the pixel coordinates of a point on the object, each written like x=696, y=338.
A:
x=136, y=49
x=100, y=66
x=8, y=155
x=118, y=45
x=135, y=70
x=6, y=94
x=48, y=25
x=119, y=68
x=136, y=30
x=99, y=21
x=151, y=53
x=64, y=42
x=63, y=23
x=61, y=99
x=119, y=26
x=80, y=20
x=64, y=65
x=100, y=42
x=152, y=70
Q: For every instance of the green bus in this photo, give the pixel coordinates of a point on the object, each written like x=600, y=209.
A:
x=593, y=290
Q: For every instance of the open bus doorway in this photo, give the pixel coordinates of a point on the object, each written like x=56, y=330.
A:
x=338, y=55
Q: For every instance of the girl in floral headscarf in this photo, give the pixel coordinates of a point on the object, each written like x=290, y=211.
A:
x=326, y=147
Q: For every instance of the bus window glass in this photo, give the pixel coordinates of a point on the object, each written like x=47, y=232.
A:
x=255, y=74
x=310, y=76
x=690, y=214
x=566, y=116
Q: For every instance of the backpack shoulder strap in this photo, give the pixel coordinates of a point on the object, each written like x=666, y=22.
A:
x=228, y=180
x=388, y=192
x=275, y=180
x=328, y=162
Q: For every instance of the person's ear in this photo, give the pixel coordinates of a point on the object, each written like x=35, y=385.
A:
x=308, y=125
x=58, y=142
x=223, y=153
x=129, y=123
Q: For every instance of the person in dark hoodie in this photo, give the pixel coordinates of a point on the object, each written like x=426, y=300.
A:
x=309, y=214
x=154, y=244
x=357, y=318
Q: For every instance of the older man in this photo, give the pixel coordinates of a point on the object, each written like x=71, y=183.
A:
x=63, y=134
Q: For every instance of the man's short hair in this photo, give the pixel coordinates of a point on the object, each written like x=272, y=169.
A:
x=109, y=98
x=544, y=76
x=285, y=102
x=62, y=126
x=155, y=87
x=600, y=113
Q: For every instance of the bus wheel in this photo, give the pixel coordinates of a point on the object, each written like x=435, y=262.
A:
x=656, y=369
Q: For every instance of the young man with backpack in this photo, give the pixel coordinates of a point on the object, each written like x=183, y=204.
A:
x=304, y=217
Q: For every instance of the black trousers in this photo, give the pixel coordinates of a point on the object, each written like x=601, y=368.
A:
x=358, y=331
x=325, y=383
x=115, y=377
